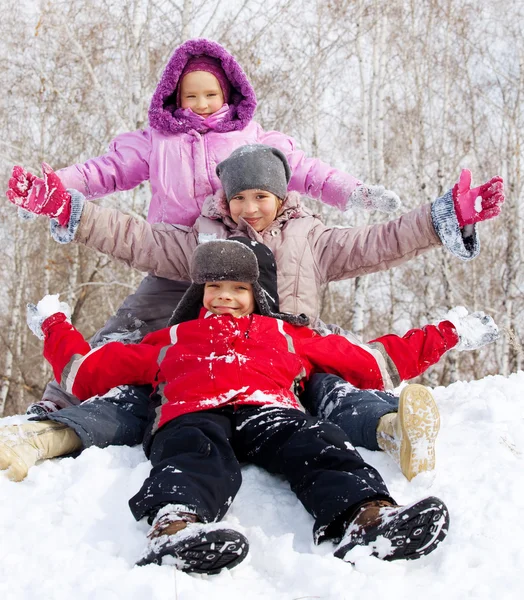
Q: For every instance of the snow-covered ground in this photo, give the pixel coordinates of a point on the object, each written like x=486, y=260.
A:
x=66, y=531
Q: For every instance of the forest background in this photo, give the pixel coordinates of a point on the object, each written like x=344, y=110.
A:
x=398, y=93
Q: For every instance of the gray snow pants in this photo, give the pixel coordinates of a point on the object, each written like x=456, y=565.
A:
x=355, y=411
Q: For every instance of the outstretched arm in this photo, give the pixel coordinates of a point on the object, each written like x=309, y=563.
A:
x=346, y=252
x=87, y=372
x=390, y=359
x=123, y=167
x=162, y=249
x=315, y=178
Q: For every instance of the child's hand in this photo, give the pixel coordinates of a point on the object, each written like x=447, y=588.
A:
x=37, y=313
x=474, y=330
x=45, y=196
x=477, y=204
x=374, y=197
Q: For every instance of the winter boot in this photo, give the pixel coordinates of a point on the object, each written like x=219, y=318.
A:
x=409, y=435
x=21, y=446
x=397, y=532
x=190, y=545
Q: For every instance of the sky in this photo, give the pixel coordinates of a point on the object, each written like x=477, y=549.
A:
x=67, y=532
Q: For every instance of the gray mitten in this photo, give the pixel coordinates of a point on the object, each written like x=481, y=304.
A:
x=474, y=330
x=374, y=197
x=36, y=314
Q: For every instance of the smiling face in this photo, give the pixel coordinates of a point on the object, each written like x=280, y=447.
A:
x=201, y=92
x=229, y=298
x=257, y=207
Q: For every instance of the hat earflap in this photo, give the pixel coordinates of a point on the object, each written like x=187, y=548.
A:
x=301, y=320
x=189, y=306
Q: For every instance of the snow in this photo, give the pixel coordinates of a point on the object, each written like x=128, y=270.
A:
x=474, y=330
x=50, y=305
x=67, y=531
x=478, y=204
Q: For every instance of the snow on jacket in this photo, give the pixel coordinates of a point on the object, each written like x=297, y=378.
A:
x=179, y=151
x=308, y=253
x=218, y=360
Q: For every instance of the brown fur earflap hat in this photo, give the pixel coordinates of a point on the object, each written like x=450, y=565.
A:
x=235, y=259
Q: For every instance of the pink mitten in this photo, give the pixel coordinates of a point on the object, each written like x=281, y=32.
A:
x=45, y=196
x=477, y=204
x=22, y=186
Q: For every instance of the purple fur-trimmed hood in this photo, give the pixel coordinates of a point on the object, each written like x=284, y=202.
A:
x=242, y=103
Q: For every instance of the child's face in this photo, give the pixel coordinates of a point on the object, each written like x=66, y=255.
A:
x=258, y=207
x=229, y=298
x=201, y=92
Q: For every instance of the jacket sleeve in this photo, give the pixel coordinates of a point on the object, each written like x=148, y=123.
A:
x=346, y=252
x=87, y=372
x=161, y=249
x=311, y=176
x=123, y=167
x=418, y=349
x=405, y=357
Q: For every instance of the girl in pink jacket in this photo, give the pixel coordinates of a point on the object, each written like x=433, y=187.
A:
x=201, y=110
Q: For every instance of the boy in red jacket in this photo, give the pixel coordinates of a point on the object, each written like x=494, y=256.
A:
x=227, y=372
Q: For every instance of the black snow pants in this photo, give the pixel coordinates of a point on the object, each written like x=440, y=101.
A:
x=196, y=463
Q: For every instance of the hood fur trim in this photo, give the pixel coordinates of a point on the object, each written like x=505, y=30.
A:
x=242, y=101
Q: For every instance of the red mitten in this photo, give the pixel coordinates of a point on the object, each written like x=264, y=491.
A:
x=22, y=185
x=45, y=196
x=477, y=204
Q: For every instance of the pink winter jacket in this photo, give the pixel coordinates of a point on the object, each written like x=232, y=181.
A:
x=179, y=151
x=308, y=253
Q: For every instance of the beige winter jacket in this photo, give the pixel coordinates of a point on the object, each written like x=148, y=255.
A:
x=308, y=253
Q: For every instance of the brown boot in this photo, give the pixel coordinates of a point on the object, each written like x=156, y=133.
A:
x=21, y=446
x=396, y=532
x=178, y=537
x=409, y=435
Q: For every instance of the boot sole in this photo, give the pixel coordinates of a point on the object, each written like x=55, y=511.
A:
x=205, y=552
x=419, y=421
x=420, y=424
x=414, y=531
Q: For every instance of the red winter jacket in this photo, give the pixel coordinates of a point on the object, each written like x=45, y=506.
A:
x=218, y=360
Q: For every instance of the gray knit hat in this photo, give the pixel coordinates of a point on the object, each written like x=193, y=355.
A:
x=255, y=167
x=236, y=259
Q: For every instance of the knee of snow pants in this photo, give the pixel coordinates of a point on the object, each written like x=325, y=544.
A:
x=117, y=419
x=59, y=396
x=355, y=411
x=194, y=465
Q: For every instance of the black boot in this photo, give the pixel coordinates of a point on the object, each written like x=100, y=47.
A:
x=192, y=546
x=409, y=532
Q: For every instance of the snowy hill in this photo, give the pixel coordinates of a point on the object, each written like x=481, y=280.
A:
x=67, y=533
